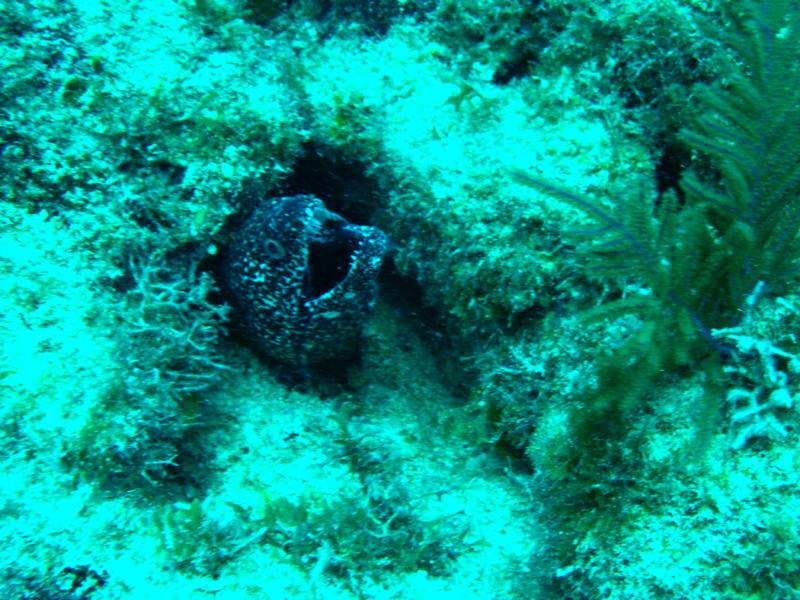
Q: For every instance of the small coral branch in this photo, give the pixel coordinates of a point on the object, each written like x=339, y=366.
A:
x=171, y=330
x=765, y=377
x=166, y=348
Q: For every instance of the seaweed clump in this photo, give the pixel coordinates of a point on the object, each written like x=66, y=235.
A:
x=699, y=252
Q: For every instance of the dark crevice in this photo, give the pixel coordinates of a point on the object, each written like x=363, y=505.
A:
x=344, y=186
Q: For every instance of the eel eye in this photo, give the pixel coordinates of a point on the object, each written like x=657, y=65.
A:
x=274, y=250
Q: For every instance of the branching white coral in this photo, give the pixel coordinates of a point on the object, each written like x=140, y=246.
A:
x=767, y=376
x=171, y=330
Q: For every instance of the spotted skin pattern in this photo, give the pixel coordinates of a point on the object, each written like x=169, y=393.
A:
x=303, y=279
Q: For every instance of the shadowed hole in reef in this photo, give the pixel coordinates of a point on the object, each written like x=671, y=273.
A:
x=346, y=188
x=672, y=163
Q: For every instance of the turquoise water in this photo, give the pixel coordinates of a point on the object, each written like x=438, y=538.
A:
x=574, y=374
